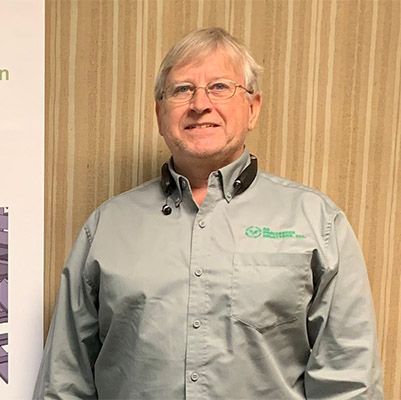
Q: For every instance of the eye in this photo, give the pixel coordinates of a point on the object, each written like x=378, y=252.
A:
x=181, y=89
x=219, y=86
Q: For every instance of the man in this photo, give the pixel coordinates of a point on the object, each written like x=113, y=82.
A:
x=216, y=281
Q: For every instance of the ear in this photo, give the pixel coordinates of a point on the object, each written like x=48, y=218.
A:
x=255, y=104
x=158, y=112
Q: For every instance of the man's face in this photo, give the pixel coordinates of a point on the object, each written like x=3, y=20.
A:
x=201, y=129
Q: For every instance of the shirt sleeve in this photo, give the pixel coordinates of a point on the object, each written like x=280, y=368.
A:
x=72, y=345
x=343, y=361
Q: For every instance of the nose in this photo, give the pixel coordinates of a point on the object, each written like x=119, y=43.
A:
x=200, y=101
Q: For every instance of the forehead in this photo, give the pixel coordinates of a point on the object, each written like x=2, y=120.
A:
x=208, y=66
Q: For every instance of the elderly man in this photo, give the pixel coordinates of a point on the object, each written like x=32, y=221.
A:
x=215, y=281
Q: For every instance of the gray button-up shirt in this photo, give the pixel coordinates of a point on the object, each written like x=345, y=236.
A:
x=263, y=295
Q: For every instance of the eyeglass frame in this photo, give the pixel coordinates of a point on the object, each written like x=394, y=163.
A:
x=236, y=85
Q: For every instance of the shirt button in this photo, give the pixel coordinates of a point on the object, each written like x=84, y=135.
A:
x=194, y=376
x=198, y=272
x=196, y=324
x=229, y=196
x=202, y=223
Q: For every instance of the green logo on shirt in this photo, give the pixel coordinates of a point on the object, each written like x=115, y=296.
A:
x=265, y=232
x=253, y=231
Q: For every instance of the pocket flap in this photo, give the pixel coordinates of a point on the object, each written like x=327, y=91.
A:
x=272, y=259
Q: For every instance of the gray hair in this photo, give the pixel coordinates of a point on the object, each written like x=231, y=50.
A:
x=193, y=45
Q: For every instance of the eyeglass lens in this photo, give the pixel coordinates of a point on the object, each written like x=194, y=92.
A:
x=217, y=90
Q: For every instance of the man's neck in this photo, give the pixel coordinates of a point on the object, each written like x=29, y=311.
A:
x=197, y=171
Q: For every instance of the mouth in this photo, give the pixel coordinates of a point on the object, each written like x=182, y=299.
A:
x=201, y=125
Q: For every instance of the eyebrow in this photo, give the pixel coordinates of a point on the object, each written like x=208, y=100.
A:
x=182, y=83
x=174, y=82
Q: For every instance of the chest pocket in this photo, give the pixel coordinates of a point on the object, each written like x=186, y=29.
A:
x=268, y=289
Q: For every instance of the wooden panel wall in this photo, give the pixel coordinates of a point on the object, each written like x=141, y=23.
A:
x=331, y=117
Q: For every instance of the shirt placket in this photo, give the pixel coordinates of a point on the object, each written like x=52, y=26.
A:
x=199, y=298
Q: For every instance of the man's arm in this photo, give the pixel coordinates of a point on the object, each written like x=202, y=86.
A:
x=72, y=343
x=343, y=363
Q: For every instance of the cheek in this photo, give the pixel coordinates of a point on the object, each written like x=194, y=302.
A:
x=171, y=121
x=164, y=125
x=239, y=124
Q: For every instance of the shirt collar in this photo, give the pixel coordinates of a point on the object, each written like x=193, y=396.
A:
x=228, y=174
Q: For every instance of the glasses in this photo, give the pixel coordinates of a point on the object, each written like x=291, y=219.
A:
x=217, y=91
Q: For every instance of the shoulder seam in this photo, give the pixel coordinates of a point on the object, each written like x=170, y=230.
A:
x=89, y=237
x=88, y=234
x=327, y=231
x=128, y=192
x=295, y=185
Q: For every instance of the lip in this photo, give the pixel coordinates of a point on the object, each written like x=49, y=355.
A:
x=201, y=125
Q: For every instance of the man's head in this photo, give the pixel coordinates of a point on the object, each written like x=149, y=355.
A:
x=207, y=97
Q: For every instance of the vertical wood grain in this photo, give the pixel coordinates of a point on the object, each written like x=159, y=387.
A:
x=331, y=116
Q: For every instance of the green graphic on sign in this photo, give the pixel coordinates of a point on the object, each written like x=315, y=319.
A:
x=4, y=74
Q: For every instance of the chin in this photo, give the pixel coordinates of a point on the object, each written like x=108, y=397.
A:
x=219, y=155
x=205, y=152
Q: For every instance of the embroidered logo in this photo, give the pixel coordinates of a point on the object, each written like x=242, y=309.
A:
x=266, y=233
x=253, y=231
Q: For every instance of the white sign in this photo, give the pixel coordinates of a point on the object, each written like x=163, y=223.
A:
x=21, y=195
